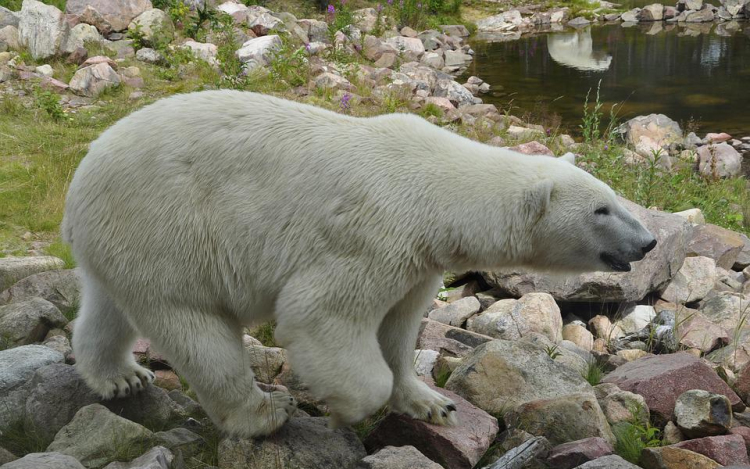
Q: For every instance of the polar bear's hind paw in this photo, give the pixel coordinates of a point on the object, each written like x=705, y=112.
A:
x=124, y=384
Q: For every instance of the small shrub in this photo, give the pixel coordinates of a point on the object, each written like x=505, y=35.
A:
x=431, y=110
x=137, y=36
x=594, y=373
x=50, y=103
x=633, y=438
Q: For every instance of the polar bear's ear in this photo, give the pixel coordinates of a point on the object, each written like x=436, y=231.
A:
x=537, y=198
x=569, y=157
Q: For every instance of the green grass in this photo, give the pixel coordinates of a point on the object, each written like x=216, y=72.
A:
x=15, y=5
x=21, y=442
x=632, y=438
x=366, y=426
x=594, y=373
x=264, y=333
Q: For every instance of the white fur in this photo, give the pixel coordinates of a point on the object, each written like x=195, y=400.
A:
x=209, y=211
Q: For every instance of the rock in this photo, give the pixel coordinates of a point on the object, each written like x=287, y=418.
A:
x=79, y=36
x=17, y=366
x=672, y=434
x=725, y=309
x=633, y=16
x=154, y=24
x=92, y=17
x=265, y=23
x=93, y=80
x=167, y=380
x=59, y=287
x=652, y=273
x=8, y=18
x=259, y=51
x=720, y=244
x=693, y=281
x=744, y=432
x=316, y=30
x=579, y=335
x=460, y=446
x=636, y=319
x=118, y=14
x=433, y=59
x=696, y=331
x=28, y=321
x=743, y=259
x=189, y=405
x=657, y=127
x=562, y=419
x=579, y=21
x=661, y=379
x=653, y=12
x=41, y=28
x=152, y=407
x=150, y=56
x=266, y=362
x=60, y=344
x=455, y=58
x=701, y=16
x=631, y=355
x=457, y=94
x=332, y=81
x=409, y=46
x=719, y=160
x=512, y=319
x=424, y=361
x=742, y=384
x=301, y=442
x=456, y=313
x=157, y=457
x=624, y=406
x=96, y=436
x=670, y=457
x=604, y=328
x=532, y=148
x=44, y=70
x=9, y=35
x=180, y=439
x=13, y=269
x=45, y=461
x=500, y=375
x=700, y=413
x=570, y=455
x=455, y=341
x=204, y=51
x=392, y=457
x=725, y=449
x=608, y=462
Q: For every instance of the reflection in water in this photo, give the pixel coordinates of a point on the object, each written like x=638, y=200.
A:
x=688, y=72
x=576, y=50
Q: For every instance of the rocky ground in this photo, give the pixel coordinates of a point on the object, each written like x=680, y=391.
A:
x=649, y=368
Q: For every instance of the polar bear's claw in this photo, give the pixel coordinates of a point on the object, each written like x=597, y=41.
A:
x=418, y=401
x=261, y=419
x=123, y=384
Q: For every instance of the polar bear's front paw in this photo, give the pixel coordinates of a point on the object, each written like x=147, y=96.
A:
x=132, y=380
x=261, y=417
x=419, y=401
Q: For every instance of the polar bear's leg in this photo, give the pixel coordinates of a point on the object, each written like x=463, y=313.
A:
x=206, y=349
x=398, y=336
x=103, y=342
x=331, y=338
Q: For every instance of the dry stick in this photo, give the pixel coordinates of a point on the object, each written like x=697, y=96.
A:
x=518, y=457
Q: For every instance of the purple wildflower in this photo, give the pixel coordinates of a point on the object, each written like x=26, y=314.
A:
x=307, y=47
x=549, y=131
x=390, y=2
x=345, y=102
x=380, y=7
x=331, y=9
x=606, y=147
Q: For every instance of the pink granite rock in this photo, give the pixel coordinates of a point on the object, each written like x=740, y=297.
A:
x=718, y=243
x=744, y=432
x=725, y=449
x=575, y=453
x=532, y=148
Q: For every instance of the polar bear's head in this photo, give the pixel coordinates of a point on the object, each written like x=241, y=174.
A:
x=580, y=225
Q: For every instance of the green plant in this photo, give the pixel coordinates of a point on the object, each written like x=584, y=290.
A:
x=431, y=110
x=552, y=352
x=22, y=441
x=264, y=333
x=593, y=373
x=137, y=36
x=205, y=14
x=11, y=105
x=442, y=377
x=290, y=65
x=591, y=117
x=366, y=426
x=62, y=250
x=50, y=103
x=633, y=437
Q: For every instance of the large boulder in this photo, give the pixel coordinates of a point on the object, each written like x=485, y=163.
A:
x=720, y=244
x=91, y=81
x=693, y=281
x=118, y=14
x=661, y=379
x=502, y=374
x=59, y=287
x=670, y=457
x=96, y=437
x=459, y=446
x=42, y=29
x=653, y=273
x=655, y=127
x=28, y=321
x=13, y=269
x=699, y=413
x=80, y=35
x=724, y=449
x=153, y=24
x=259, y=51
x=7, y=18
x=513, y=319
x=302, y=442
x=17, y=366
x=562, y=419
x=45, y=461
x=719, y=160
x=392, y=457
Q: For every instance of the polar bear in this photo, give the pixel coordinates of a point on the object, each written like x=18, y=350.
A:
x=205, y=212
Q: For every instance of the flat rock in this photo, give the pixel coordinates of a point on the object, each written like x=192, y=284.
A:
x=13, y=269
x=118, y=14
x=693, y=281
x=301, y=442
x=180, y=439
x=41, y=29
x=45, y=461
x=608, y=462
x=651, y=274
x=670, y=457
x=59, y=287
x=96, y=437
x=28, y=321
x=456, y=313
x=661, y=379
x=513, y=319
x=725, y=309
x=392, y=457
x=720, y=244
x=157, y=457
x=700, y=413
x=441, y=337
x=575, y=453
x=696, y=331
x=501, y=374
x=724, y=449
x=460, y=446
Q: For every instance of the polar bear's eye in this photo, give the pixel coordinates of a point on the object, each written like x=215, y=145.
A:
x=602, y=211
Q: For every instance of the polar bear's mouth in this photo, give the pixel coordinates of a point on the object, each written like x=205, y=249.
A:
x=616, y=264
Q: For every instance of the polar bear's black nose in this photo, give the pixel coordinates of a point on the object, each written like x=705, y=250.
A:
x=649, y=247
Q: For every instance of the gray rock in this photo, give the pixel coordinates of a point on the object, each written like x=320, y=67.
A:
x=91, y=81
x=693, y=281
x=17, y=366
x=317, y=31
x=259, y=51
x=701, y=16
x=6, y=456
x=151, y=407
x=455, y=92
x=631, y=16
x=57, y=393
x=79, y=36
x=501, y=375
x=265, y=23
x=9, y=35
x=154, y=24
x=719, y=160
x=608, y=462
x=158, y=457
x=13, y=269
x=513, y=319
x=456, y=313
x=651, y=274
x=7, y=18
x=456, y=30
x=725, y=309
x=60, y=344
x=700, y=413
x=118, y=14
x=266, y=362
x=41, y=28
x=150, y=56
x=45, y=461
x=97, y=437
x=455, y=58
x=392, y=457
x=656, y=127
x=189, y=405
x=653, y=12
x=743, y=258
x=624, y=406
x=28, y=321
x=579, y=21
x=302, y=442
x=59, y=287
x=181, y=439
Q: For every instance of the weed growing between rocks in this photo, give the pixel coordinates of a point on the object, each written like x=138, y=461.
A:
x=633, y=437
x=20, y=441
x=594, y=373
x=264, y=333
